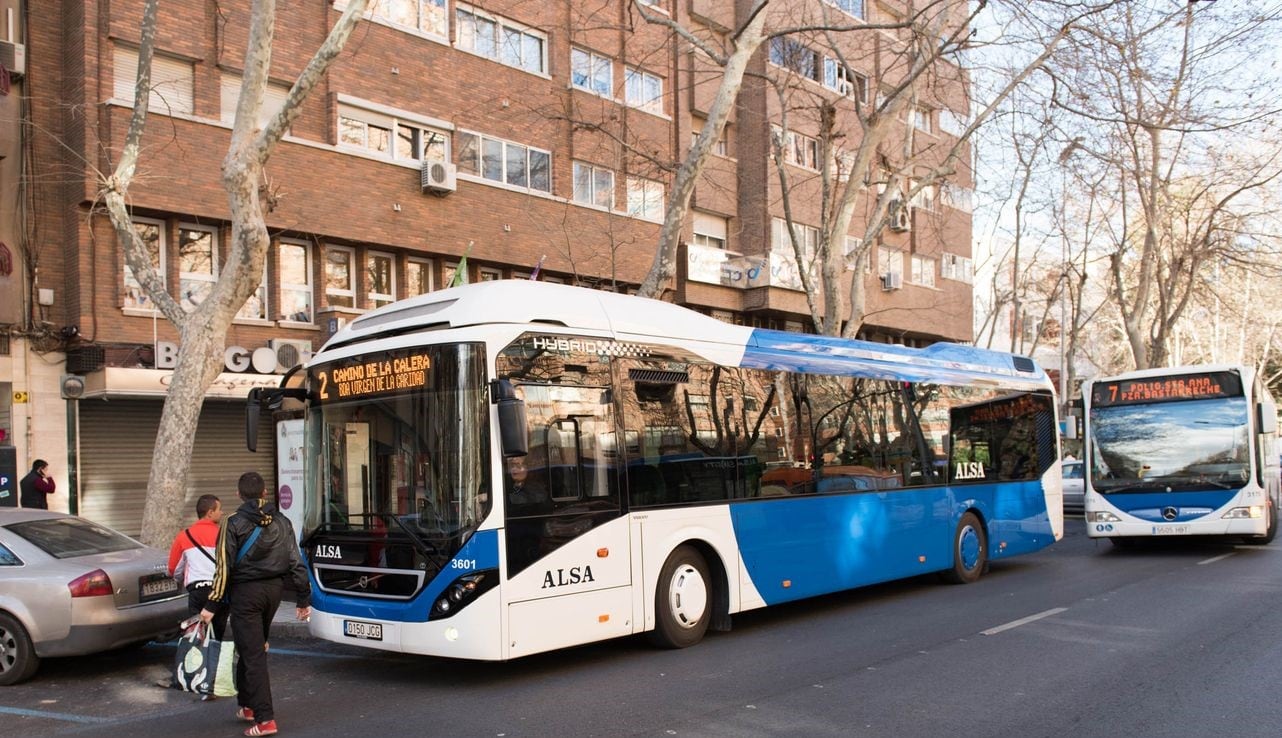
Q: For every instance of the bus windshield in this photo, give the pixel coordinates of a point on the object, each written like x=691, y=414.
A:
x=1174, y=445
x=397, y=450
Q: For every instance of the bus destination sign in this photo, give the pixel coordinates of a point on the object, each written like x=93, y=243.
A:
x=384, y=375
x=1201, y=386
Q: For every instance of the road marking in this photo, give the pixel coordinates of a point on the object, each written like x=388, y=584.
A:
x=1214, y=559
x=1023, y=621
x=65, y=716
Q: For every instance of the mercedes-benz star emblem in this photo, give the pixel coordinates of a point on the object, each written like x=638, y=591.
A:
x=1170, y=513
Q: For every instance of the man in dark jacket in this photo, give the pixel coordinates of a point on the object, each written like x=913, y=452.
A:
x=256, y=551
x=37, y=486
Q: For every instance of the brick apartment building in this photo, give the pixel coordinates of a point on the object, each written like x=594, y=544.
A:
x=523, y=135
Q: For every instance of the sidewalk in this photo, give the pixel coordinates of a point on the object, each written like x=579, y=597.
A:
x=285, y=625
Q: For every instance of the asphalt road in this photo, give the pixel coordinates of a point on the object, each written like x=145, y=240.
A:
x=1183, y=639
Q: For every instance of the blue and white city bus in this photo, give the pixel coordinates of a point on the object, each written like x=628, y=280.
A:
x=1189, y=451
x=506, y=468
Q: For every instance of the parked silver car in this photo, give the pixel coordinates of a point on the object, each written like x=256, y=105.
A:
x=70, y=586
x=1074, y=486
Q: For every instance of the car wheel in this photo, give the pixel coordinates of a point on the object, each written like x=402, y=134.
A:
x=18, y=659
x=970, y=551
x=683, y=600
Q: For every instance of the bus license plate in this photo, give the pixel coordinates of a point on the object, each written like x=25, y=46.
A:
x=1170, y=530
x=156, y=586
x=367, y=631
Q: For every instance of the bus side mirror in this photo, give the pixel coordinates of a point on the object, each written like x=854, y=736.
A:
x=1268, y=417
x=512, y=436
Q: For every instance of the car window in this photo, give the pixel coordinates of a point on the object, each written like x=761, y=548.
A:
x=8, y=558
x=1072, y=471
x=65, y=538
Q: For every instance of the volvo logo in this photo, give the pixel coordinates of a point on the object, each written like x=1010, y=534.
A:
x=364, y=582
x=1170, y=513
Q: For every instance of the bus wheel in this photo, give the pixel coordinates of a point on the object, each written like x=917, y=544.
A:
x=970, y=551
x=683, y=600
x=1271, y=531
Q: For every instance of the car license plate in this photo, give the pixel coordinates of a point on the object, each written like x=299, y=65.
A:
x=156, y=587
x=367, y=631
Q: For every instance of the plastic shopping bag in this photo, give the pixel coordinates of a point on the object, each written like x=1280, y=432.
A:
x=204, y=665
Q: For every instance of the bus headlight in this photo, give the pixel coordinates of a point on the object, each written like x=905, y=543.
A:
x=461, y=592
x=1102, y=516
x=1243, y=513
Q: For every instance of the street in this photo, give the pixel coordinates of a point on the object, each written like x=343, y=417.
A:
x=1182, y=639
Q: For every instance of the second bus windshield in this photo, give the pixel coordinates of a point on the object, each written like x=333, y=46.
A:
x=1192, y=444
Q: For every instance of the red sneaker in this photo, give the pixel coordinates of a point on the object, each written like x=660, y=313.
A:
x=245, y=713
x=267, y=728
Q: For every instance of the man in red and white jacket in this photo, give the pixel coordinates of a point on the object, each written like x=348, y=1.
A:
x=191, y=559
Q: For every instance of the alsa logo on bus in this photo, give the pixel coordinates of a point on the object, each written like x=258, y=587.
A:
x=562, y=577
x=328, y=551
x=969, y=470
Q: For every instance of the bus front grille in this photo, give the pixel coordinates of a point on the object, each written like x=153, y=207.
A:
x=360, y=581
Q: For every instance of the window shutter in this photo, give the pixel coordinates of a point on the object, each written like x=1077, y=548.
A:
x=171, y=82
x=126, y=70
x=710, y=225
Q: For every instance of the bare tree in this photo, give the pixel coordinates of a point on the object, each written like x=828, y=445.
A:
x=203, y=329
x=1155, y=91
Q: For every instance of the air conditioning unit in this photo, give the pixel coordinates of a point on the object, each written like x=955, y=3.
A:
x=14, y=58
x=899, y=216
x=439, y=177
x=290, y=352
x=892, y=281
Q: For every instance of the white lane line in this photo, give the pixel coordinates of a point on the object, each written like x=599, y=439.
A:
x=1023, y=621
x=64, y=716
x=1214, y=559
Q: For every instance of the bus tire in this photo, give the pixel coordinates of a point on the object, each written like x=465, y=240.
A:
x=18, y=659
x=683, y=600
x=1270, y=532
x=970, y=551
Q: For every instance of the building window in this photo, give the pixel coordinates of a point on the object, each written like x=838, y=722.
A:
x=889, y=261
x=593, y=185
x=489, y=274
x=799, y=150
x=720, y=147
x=426, y=16
x=172, y=82
x=919, y=118
x=273, y=100
x=255, y=308
x=924, y=197
x=851, y=253
x=390, y=137
x=450, y=272
x=152, y=233
x=781, y=239
x=923, y=271
x=197, y=264
x=956, y=197
x=382, y=278
x=644, y=90
x=340, y=277
x=502, y=40
x=709, y=230
x=592, y=72
x=418, y=277
x=840, y=78
x=645, y=199
x=795, y=57
x=849, y=7
x=295, y=281
x=959, y=268
x=505, y=162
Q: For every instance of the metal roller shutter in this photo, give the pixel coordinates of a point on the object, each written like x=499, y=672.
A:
x=116, y=442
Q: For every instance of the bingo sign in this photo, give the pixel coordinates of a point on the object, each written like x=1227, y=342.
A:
x=369, y=377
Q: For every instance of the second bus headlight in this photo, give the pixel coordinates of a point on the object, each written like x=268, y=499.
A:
x=1102, y=516
x=1243, y=513
x=461, y=592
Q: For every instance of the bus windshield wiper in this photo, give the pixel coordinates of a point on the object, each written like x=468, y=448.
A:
x=1142, y=484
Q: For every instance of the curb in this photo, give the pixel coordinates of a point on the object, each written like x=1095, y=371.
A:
x=285, y=625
